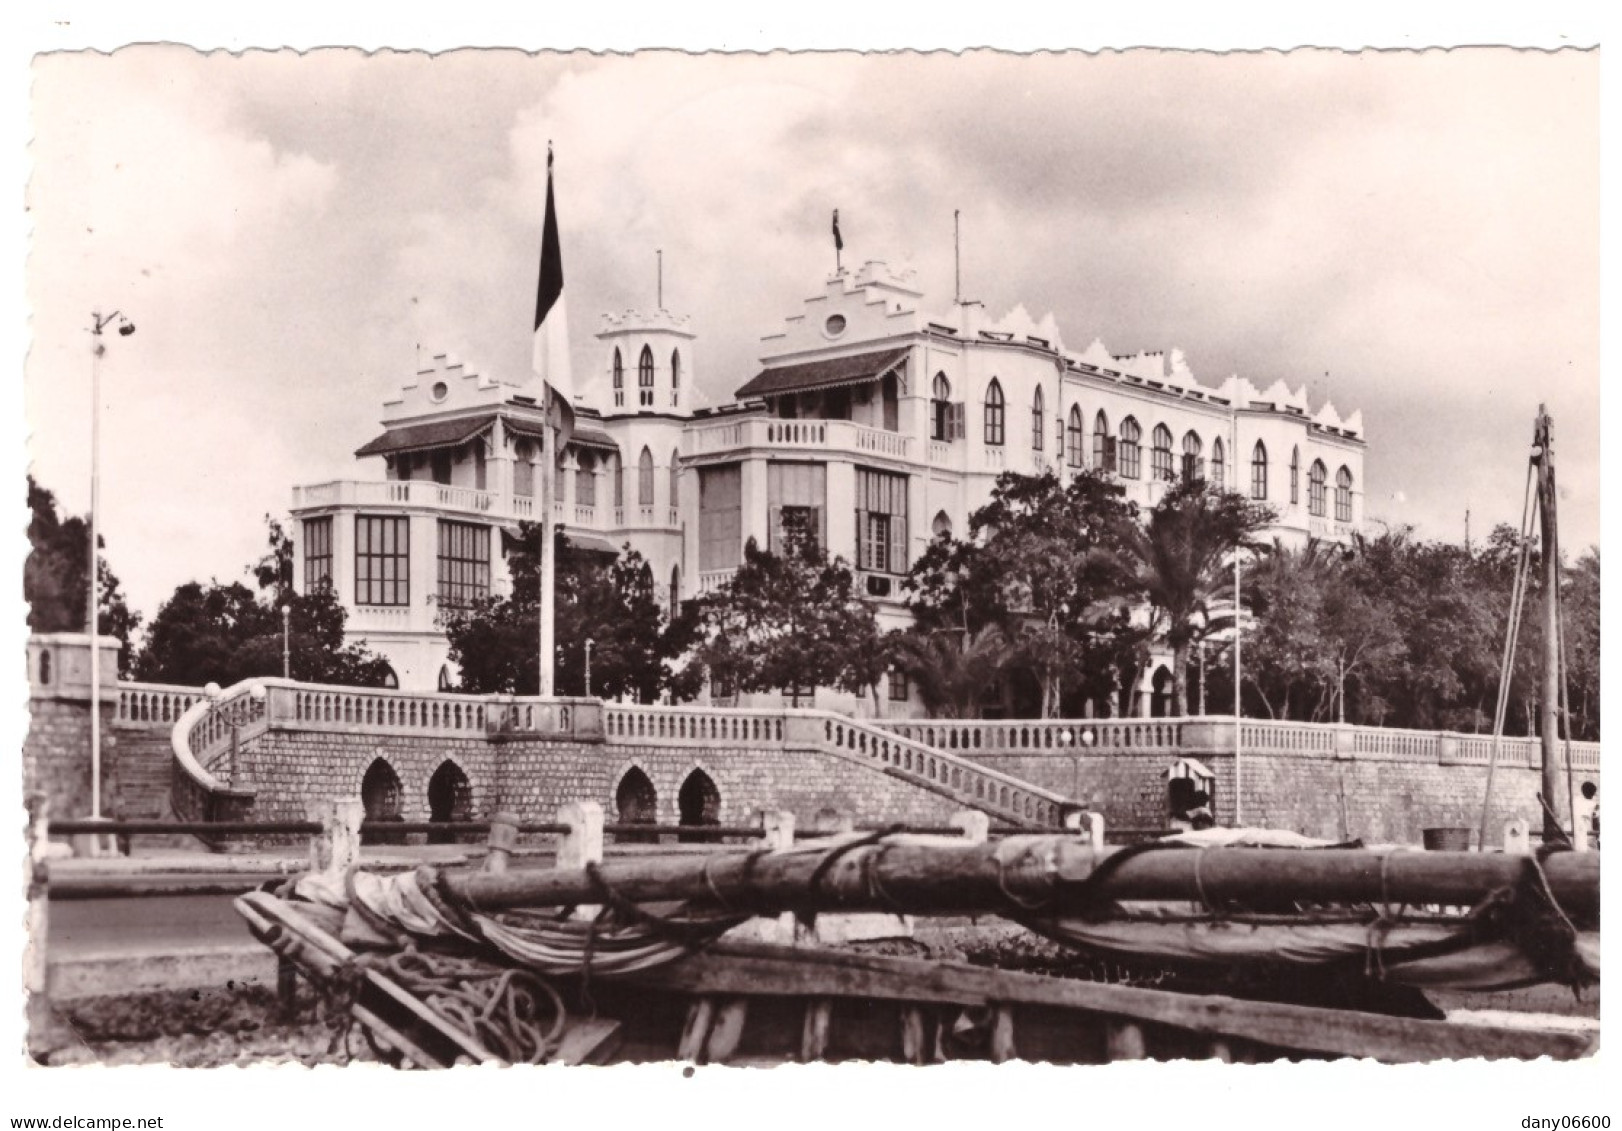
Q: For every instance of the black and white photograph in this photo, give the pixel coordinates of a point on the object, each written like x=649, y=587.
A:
x=920, y=563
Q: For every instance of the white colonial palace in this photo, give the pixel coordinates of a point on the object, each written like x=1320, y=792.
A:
x=871, y=422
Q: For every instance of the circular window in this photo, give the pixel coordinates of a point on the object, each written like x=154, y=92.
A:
x=834, y=326
x=440, y=391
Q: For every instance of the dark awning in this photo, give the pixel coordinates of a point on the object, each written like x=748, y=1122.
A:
x=823, y=374
x=439, y=434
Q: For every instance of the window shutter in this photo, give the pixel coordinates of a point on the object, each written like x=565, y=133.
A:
x=898, y=544
x=958, y=421
x=1109, y=453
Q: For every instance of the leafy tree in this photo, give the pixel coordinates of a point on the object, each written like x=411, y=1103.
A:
x=55, y=578
x=790, y=621
x=1177, y=562
x=1581, y=600
x=635, y=646
x=1040, y=566
x=951, y=670
x=225, y=633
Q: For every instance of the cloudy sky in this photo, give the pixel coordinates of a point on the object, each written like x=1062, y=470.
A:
x=1415, y=235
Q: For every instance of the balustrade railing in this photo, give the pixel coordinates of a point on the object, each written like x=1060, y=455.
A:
x=201, y=738
x=406, y=492
x=772, y=432
x=1215, y=734
x=940, y=771
x=154, y=702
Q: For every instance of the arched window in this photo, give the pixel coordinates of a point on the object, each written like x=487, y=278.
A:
x=698, y=803
x=994, y=414
x=1038, y=412
x=1295, y=476
x=940, y=408
x=644, y=378
x=675, y=477
x=1160, y=456
x=644, y=478
x=1343, y=494
x=636, y=803
x=585, y=480
x=675, y=377
x=1317, y=488
x=1103, y=444
x=619, y=379
x=942, y=526
x=450, y=798
x=1258, y=471
x=619, y=481
x=1131, y=453
x=445, y=681
x=1219, y=463
x=1193, y=456
x=1073, y=445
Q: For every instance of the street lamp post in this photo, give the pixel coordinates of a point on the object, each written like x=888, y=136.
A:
x=588, y=668
x=99, y=323
x=287, y=642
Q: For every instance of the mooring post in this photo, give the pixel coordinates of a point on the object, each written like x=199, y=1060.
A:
x=1517, y=837
x=976, y=825
x=36, y=965
x=503, y=839
x=1087, y=822
x=777, y=829
x=336, y=848
x=583, y=843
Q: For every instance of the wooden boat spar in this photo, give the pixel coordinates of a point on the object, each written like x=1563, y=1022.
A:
x=648, y=958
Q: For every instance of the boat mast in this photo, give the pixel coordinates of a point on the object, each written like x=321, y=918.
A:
x=1543, y=456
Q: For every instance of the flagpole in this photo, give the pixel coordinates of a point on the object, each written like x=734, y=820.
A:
x=548, y=579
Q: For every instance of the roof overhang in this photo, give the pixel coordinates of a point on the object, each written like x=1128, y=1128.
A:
x=420, y=437
x=827, y=373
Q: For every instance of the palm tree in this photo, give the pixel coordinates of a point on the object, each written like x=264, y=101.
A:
x=951, y=669
x=1178, y=561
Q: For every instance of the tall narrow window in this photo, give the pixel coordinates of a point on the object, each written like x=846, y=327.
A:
x=994, y=414
x=940, y=409
x=796, y=505
x=585, y=480
x=1038, y=415
x=1295, y=476
x=1317, y=488
x=1103, y=457
x=619, y=481
x=1160, y=455
x=881, y=522
x=619, y=379
x=317, y=554
x=1073, y=437
x=478, y=465
x=675, y=378
x=464, y=564
x=1193, y=457
x=644, y=378
x=1343, y=494
x=1131, y=453
x=644, y=478
x=675, y=587
x=675, y=478
x=382, y=560
x=1219, y=464
x=720, y=517
x=523, y=469
x=1258, y=471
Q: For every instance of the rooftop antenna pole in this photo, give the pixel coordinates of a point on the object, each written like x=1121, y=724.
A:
x=660, y=253
x=957, y=258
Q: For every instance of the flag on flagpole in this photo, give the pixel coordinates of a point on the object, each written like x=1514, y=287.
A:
x=551, y=356
x=839, y=241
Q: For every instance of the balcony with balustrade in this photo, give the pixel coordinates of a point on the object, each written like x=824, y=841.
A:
x=417, y=494
x=770, y=434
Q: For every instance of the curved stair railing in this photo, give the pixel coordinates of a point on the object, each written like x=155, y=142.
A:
x=201, y=739
x=942, y=772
